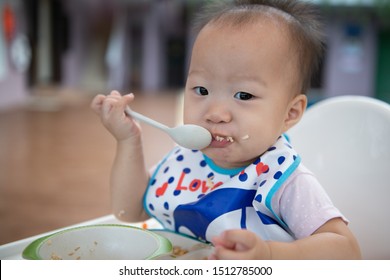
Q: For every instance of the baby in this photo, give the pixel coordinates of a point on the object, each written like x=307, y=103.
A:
x=247, y=192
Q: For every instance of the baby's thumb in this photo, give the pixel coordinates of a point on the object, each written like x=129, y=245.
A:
x=127, y=99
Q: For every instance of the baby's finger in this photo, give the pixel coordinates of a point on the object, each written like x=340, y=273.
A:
x=114, y=97
x=107, y=108
x=221, y=241
x=114, y=106
x=97, y=103
x=122, y=103
x=115, y=93
x=127, y=99
x=222, y=253
x=242, y=239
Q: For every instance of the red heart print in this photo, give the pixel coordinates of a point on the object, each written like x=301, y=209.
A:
x=161, y=190
x=261, y=168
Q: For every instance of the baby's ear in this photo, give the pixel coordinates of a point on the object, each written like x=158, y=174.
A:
x=295, y=110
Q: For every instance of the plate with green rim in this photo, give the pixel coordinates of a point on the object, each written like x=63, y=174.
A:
x=99, y=242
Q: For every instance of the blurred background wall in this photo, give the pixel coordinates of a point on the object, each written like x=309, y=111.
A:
x=132, y=44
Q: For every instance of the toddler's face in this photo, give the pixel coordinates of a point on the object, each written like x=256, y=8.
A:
x=240, y=85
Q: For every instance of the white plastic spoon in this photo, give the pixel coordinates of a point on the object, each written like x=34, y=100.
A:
x=189, y=136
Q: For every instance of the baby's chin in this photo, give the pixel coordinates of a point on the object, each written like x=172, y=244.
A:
x=227, y=159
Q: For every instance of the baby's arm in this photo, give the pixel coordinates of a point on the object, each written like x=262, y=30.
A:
x=333, y=240
x=129, y=176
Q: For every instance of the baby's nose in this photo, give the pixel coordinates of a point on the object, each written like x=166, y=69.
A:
x=219, y=112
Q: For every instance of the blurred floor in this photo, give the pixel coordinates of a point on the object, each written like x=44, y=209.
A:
x=55, y=159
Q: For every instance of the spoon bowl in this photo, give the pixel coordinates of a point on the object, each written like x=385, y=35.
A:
x=189, y=136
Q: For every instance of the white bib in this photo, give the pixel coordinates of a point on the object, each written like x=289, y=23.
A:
x=189, y=194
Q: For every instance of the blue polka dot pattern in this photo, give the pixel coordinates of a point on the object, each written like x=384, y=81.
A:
x=281, y=159
x=243, y=177
x=203, y=163
x=166, y=205
x=278, y=175
x=187, y=170
x=171, y=179
x=259, y=198
x=151, y=207
x=180, y=158
x=176, y=192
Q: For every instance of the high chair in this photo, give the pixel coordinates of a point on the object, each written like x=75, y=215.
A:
x=345, y=141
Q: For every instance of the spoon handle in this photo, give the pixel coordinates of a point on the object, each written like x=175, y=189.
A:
x=147, y=120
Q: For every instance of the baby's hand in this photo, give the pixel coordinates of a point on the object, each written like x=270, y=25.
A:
x=111, y=109
x=239, y=244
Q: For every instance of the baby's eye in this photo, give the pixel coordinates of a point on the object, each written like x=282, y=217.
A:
x=243, y=95
x=201, y=90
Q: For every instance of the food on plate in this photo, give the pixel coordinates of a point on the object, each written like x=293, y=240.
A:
x=178, y=251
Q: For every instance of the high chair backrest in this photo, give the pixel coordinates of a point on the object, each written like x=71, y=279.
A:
x=345, y=141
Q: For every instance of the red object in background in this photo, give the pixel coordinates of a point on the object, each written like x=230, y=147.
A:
x=8, y=18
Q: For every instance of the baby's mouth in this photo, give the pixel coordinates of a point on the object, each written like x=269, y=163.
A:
x=224, y=138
